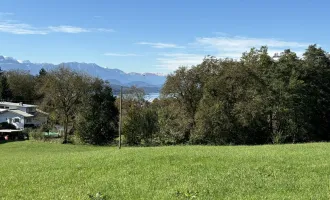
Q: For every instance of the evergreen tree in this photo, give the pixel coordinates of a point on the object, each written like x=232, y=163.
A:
x=98, y=116
x=5, y=91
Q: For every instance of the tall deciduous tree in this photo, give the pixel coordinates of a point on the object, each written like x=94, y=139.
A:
x=63, y=91
x=185, y=86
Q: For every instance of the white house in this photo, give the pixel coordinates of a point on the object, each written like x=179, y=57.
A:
x=20, y=114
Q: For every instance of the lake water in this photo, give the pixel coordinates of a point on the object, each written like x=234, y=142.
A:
x=151, y=96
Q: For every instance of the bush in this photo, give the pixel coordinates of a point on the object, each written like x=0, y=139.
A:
x=45, y=128
x=140, y=126
x=29, y=126
x=75, y=139
x=37, y=135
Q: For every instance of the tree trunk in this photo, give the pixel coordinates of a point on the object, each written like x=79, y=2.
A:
x=66, y=122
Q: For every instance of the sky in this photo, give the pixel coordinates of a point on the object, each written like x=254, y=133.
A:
x=153, y=35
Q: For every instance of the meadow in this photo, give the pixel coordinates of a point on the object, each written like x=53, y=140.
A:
x=37, y=170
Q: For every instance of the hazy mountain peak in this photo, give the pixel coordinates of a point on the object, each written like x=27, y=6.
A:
x=116, y=76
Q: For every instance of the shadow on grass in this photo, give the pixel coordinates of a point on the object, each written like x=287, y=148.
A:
x=9, y=141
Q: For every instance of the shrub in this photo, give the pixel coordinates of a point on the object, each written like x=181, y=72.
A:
x=37, y=135
x=97, y=196
x=45, y=128
x=29, y=126
x=140, y=126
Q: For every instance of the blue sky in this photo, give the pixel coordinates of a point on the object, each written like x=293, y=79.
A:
x=156, y=36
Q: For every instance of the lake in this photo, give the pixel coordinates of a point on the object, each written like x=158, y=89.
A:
x=149, y=97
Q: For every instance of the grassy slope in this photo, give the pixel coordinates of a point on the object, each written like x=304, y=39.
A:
x=32, y=170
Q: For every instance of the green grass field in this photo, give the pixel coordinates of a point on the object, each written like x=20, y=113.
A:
x=36, y=170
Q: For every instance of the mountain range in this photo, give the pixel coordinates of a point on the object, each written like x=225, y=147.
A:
x=150, y=82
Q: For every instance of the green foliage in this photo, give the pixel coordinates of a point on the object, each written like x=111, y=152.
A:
x=256, y=100
x=42, y=73
x=98, y=116
x=173, y=123
x=140, y=125
x=22, y=86
x=5, y=90
x=63, y=91
x=37, y=135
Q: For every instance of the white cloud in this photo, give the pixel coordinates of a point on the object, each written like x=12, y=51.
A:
x=15, y=27
x=5, y=14
x=67, y=29
x=171, y=61
x=103, y=30
x=20, y=29
x=224, y=46
x=242, y=44
x=160, y=45
x=73, y=29
x=121, y=54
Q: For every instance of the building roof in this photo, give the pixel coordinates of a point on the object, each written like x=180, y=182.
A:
x=17, y=104
x=3, y=110
x=9, y=131
x=19, y=112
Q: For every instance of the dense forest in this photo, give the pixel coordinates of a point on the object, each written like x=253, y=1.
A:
x=255, y=100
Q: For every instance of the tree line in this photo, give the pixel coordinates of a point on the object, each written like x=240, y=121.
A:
x=254, y=100
x=83, y=105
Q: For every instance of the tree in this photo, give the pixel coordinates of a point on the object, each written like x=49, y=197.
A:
x=316, y=92
x=185, y=87
x=22, y=85
x=98, y=116
x=42, y=72
x=63, y=91
x=140, y=125
x=6, y=93
x=173, y=123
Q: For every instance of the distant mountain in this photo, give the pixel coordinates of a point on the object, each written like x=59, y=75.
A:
x=153, y=82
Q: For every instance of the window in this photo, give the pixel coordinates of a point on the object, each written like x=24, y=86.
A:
x=28, y=120
x=16, y=120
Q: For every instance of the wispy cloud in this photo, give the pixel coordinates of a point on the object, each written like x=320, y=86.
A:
x=171, y=61
x=68, y=29
x=160, y=45
x=103, y=30
x=5, y=14
x=73, y=29
x=16, y=27
x=20, y=28
x=241, y=44
x=121, y=54
x=224, y=46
